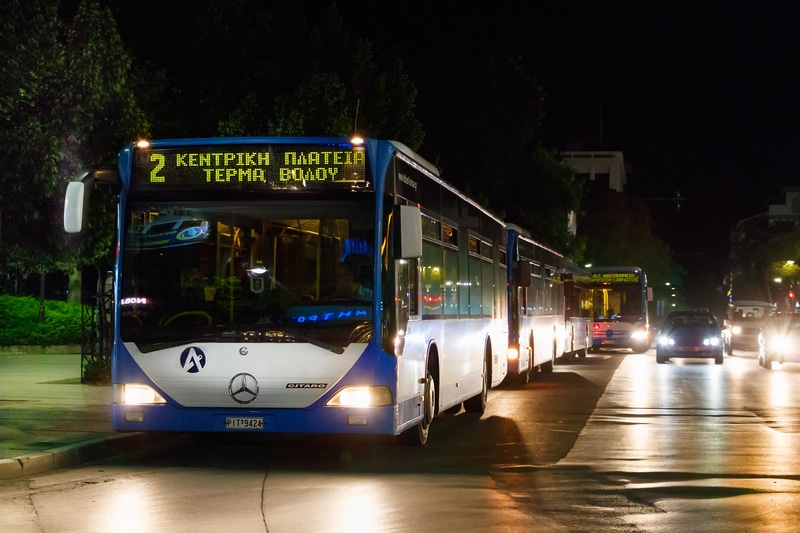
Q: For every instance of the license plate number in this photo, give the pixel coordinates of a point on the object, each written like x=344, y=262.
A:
x=690, y=348
x=244, y=422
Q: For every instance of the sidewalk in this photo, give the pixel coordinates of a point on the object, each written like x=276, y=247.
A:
x=50, y=420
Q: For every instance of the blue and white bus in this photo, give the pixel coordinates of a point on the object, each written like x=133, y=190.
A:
x=303, y=285
x=537, y=332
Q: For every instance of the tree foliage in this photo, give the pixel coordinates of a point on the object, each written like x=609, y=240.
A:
x=763, y=253
x=487, y=138
x=617, y=232
x=67, y=108
x=30, y=105
x=285, y=67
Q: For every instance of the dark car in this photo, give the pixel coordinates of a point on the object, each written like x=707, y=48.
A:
x=690, y=334
x=779, y=340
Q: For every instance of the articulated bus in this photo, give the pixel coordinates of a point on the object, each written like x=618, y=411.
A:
x=299, y=285
x=536, y=305
x=619, y=298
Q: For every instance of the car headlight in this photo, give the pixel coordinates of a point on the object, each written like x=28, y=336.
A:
x=781, y=343
x=736, y=330
x=711, y=341
x=665, y=341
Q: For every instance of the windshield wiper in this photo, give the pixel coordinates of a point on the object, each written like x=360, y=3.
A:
x=282, y=336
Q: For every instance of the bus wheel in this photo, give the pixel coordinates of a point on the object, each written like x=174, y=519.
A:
x=548, y=366
x=418, y=435
x=477, y=404
x=525, y=377
x=641, y=348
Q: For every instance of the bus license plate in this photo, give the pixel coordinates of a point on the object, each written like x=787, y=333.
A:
x=244, y=422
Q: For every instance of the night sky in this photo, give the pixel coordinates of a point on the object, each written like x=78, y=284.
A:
x=701, y=97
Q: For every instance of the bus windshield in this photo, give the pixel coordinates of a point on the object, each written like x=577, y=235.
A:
x=622, y=303
x=265, y=272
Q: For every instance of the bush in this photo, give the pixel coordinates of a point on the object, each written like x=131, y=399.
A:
x=18, y=325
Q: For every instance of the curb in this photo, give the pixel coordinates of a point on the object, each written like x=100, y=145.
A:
x=88, y=451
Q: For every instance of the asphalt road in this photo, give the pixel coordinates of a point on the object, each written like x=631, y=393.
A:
x=611, y=442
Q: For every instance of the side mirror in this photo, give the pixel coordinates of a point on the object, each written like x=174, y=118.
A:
x=569, y=289
x=74, y=202
x=522, y=274
x=409, y=232
x=76, y=198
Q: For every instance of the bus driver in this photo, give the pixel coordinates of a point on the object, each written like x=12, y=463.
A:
x=348, y=286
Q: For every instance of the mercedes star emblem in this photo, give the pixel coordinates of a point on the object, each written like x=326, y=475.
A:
x=243, y=388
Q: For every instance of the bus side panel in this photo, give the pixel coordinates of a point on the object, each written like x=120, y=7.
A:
x=411, y=367
x=460, y=347
x=580, y=334
x=545, y=330
x=462, y=358
x=499, y=338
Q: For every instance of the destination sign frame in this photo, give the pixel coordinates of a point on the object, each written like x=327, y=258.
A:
x=248, y=167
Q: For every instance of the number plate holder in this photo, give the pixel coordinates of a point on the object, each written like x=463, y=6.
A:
x=253, y=423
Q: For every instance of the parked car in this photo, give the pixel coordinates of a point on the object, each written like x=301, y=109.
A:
x=689, y=334
x=743, y=321
x=779, y=340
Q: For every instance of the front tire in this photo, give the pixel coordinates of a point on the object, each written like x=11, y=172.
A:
x=477, y=404
x=548, y=366
x=418, y=435
x=767, y=361
x=641, y=348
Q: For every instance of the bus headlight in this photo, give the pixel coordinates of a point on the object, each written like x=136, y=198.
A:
x=513, y=353
x=736, y=330
x=361, y=397
x=639, y=335
x=137, y=394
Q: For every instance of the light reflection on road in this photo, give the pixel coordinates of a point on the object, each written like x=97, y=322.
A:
x=709, y=444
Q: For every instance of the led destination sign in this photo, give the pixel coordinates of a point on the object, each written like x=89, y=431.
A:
x=615, y=277
x=248, y=167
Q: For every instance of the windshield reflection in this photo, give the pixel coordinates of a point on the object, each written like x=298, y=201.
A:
x=265, y=273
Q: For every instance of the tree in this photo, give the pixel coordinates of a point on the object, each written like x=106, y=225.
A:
x=763, y=252
x=64, y=97
x=327, y=85
x=30, y=98
x=617, y=231
x=485, y=129
x=101, y=116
